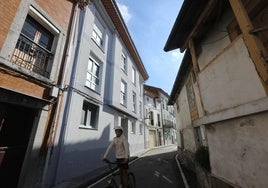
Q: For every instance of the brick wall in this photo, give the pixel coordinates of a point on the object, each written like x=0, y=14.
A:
x=7, y=13
x=59, y=10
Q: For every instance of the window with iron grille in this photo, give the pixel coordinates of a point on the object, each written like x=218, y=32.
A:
x=33, y=48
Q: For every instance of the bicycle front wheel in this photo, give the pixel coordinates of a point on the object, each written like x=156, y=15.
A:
x=131, y=180
x=111, y=184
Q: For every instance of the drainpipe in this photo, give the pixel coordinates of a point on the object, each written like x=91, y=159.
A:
x=67, y=63
x=162, y=120
x=63, y=130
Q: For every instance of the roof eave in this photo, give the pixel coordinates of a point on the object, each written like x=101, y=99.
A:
x=184, y=24
x=116, y=17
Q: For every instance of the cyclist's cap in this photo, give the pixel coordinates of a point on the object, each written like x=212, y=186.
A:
x=118, y=128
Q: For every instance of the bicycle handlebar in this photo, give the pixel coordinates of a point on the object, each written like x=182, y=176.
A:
x=110, y=162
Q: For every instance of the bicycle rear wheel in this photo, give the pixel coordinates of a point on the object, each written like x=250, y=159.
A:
x=131, y=180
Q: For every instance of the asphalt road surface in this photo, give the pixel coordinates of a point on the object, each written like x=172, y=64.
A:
x=157, y=168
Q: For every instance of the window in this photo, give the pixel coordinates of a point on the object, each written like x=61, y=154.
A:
x=141, y=129
x=98, y=33
x=123, y=93
x=93, y=75
x=89, y=115
x=33, y=48
x=133, y=127
x=152, y=117
x=134, y=102
x=133, y=76
x=123, y=62
x=158, y=120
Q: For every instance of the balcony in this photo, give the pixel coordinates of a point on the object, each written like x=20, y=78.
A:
x=168, y=124
x=32, y=56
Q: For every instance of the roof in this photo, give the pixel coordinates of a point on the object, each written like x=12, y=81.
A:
x=194, y=19
x=116, y=17
x=155, y=90
x=185, y=67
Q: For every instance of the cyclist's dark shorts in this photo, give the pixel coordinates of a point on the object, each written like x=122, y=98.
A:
x=124, y=166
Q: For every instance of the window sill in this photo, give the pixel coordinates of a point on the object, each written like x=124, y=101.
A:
x=95, y=91
x=87, y=127
x=101, y=47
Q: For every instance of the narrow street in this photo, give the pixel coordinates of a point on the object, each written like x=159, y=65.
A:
x=156, y=168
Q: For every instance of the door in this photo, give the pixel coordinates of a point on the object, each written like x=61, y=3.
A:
x=15, y=128
x=152, y=138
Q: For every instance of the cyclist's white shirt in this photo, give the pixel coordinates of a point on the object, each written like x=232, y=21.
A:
x=121, y=147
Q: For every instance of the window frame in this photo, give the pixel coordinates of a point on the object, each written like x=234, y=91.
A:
x=133, y=75
x=123, y=94
x=124, y=62
x=36, y=67
x=133, y=127
x=98, y=33
x=92, y=75
x=87, y=122
x=141, y=129
x=134, y=102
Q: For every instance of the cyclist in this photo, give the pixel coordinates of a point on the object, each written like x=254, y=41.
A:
x=121, y=146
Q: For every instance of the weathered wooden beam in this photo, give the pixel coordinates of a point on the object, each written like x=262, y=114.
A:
x=254, y=45
x=202, y=17
x=196, y=70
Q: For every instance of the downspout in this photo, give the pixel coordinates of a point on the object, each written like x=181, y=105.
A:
x=67, y=62
x=63, y=130
x=162, y=121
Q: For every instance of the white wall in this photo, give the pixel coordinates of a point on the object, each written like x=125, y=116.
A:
x=82, y=149
x=228, y=80
x=238, y=150
x=184, y=122
x=231, y=80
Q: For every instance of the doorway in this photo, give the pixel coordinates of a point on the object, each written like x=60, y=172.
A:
x=16, y=124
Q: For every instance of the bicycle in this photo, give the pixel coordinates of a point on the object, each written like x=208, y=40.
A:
x=111, y=180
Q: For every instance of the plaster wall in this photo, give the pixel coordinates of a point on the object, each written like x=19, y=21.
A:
x=120, y=75
x=136, y=139
x=82, y=149
x=184, y=111
x=238, y=150
x=217, y=39
x=184, y=122
x=230, y=80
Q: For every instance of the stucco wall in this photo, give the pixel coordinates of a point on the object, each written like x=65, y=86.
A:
x=238, y=150
x=226, y=82
x=184, y=122
x=184, y=112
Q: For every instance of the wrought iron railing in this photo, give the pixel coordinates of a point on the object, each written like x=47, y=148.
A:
x=168, y=124
x=32, y=56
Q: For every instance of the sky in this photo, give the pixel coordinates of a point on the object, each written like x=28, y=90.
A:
x=149, y=23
